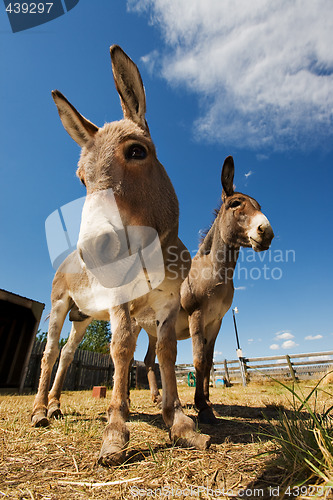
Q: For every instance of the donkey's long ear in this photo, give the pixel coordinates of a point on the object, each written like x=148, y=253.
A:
x=79, y=128
x=129, y=86
x=227, y=176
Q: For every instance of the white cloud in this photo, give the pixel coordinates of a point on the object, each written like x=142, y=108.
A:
x=248, y=174
x=263, y=71
x=218, y=353
x=240, y=288
x=284, y=336
x=150, y=60
x=313, y=337
x=289, y=344
x=250, y=340
x=274, y=347
x=262, y=157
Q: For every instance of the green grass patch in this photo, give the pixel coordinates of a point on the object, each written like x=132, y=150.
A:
x=304, y=438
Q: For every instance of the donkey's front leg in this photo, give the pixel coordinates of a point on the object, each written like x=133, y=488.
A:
x=57, y=317
x=182, y=428
x=116, y=434
x=202, y=358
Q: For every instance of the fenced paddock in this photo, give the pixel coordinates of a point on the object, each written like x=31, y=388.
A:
x=288, y=367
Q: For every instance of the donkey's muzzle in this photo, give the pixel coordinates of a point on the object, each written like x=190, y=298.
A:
x=261, y=236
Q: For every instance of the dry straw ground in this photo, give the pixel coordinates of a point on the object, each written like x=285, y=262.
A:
x=60, y=462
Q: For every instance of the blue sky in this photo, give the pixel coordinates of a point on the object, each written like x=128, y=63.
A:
x=246, y=79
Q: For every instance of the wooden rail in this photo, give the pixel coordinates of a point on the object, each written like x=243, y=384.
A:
x=288, y=366
x=91, y=368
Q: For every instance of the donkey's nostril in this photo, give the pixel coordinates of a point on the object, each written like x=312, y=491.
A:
x=261, y=229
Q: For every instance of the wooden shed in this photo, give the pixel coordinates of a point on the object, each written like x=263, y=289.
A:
x=19, y=321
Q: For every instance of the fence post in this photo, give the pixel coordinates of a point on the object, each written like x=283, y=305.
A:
x=226, y=372
x=242, y=366
x=247, y=374
x=291, y=368
x=212, y=375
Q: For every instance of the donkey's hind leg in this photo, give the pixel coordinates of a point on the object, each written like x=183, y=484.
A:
x=207, y=373
x=150, y=364
x=58, y=314
x=67, y=354
x=207, y=415
x=199, y=359
x=212, y=332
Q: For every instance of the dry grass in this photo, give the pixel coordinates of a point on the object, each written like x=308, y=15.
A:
x=60, y=462
x=328, y=380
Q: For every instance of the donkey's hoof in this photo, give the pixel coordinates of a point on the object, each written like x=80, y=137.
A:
x=157, y=400
x=111, y=454
x=54, y=412
x=191, y=439
x=110, y=458
x=201, y=441
x=207, y=416
x=39, y=420
x=115, y=440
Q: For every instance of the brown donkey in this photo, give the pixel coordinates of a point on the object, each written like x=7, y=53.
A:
x=119, y=157
x=207, y=291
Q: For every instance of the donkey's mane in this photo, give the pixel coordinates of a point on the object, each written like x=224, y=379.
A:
x=204, y=232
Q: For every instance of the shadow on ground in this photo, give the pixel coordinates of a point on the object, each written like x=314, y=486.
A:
x=238, y=424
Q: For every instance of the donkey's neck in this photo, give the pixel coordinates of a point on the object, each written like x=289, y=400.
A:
x=222, y=252
x=223, y=255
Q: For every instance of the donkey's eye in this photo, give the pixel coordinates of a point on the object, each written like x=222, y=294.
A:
x=235, y=203
x=136, y=152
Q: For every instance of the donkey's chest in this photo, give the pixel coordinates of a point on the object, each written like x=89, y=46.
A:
x=218, y=301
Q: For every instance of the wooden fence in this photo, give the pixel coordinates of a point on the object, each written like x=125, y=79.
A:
x=87, y=370
x=90, y=368
x=288, y=366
